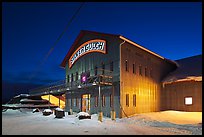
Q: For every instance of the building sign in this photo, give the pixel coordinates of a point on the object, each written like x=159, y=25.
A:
x=96, y=45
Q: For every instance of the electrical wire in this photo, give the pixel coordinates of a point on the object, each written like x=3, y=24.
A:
x=60, y=36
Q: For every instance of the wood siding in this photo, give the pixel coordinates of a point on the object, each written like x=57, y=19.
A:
x=147, y=88
x=174, y=96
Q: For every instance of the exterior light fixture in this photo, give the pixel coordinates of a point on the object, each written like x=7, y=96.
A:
x=58, y=90
x=79, y=86
x=68, y=88
x=94, y=83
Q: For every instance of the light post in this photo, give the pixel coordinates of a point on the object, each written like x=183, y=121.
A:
x=100, y=113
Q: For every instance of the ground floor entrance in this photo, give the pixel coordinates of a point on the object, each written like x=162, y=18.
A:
x=85, y=101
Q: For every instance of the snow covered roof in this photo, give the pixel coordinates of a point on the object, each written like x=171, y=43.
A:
x=189, y=68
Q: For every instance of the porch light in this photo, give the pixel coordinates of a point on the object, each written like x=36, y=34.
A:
x=94, y=83
x=68, y=88
x=79, y=86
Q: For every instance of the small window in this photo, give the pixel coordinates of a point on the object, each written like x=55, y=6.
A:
x=111, y=66
x=145, y=71
x=150, y=73
x=140, y=70
x=103, y=100
x=72, y=102
x=188, y=101
x=68, y=78
x=96, y=101
x=134, y=100
x=133, y=68
x=126, y=65
x=127, y=100
x=96, y=70
x=77, y=76
x=72, y=77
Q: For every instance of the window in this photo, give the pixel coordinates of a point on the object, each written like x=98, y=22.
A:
x=68, y=78
x=126, y=65
x=72, y=77
x=127, y=100
x=96, y=101
x=74, y=102
x=77, y=76
x=140, y=70
x=134, y=100
x=188, y=101
x=145, y=71
x=150, y=73
x=103, y=100
x=133, y=68
x=103, y=68
x=111, y=100
x=95, y=70
x=111, y=66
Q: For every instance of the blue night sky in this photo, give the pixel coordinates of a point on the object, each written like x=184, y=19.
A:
x=170, y=29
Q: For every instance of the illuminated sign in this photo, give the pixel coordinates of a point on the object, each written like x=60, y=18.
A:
x=84, y=77
x=96, y=45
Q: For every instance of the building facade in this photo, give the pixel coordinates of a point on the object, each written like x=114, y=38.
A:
x=116, y=77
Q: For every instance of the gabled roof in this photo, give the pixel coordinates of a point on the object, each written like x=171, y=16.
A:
x=189, y=68
x=81, y=34
x=84, y=32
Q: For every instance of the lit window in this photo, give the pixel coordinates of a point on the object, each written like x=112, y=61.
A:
x=188, y=101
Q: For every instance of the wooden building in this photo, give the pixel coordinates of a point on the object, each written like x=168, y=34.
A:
x=182, y=88
x=113, y=76
x=137, y=73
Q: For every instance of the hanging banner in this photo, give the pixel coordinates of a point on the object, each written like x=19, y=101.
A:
x=96, y=45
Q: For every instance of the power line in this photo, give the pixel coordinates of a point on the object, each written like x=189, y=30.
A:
x=52, y=48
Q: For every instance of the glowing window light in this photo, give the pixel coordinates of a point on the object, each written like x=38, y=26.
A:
x=188, y=101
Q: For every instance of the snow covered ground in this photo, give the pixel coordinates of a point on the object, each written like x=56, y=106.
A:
x=25, y=122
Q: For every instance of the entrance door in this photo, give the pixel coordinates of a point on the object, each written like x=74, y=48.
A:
x=85, y=107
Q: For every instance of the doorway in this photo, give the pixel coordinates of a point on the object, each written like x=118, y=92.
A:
x=85, y=107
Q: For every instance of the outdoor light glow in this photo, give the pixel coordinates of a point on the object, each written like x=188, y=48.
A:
x=79, y=86
x=54, y=100
x=83, y=78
